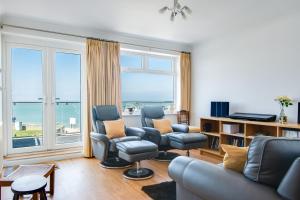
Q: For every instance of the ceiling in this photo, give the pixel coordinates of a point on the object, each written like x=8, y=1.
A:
x=210, y=18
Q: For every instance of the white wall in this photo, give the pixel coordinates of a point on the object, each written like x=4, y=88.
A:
x=1, y=130
x=249, y=69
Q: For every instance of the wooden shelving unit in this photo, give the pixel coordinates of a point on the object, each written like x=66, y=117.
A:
x=248, y=130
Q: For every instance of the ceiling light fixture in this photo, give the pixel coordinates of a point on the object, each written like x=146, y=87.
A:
x=176, y=9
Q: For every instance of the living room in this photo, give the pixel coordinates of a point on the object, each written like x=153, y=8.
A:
x=163, y=100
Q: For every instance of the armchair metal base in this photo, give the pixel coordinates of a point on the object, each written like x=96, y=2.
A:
x=138, y=173
x=165, y=156
x=115, y=163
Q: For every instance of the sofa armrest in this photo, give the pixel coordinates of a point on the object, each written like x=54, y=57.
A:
x=133, y=131
x=100, y=144
x=180, y=128
x=289, y=186
x=152, y=135
x=210, y=181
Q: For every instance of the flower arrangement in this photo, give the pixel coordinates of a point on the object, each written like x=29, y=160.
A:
x=284, y=101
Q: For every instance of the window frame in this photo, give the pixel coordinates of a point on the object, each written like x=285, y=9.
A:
x=146, y=69
x=49, y=47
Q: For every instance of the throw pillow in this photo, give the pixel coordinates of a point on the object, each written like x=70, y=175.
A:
x=114, y=128
x=163, y=125
x=235, y=157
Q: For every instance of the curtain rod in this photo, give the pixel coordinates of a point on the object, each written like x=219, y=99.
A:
x=86, y=37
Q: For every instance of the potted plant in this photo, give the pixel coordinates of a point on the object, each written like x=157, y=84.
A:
x=284, y=102
x=131, y=110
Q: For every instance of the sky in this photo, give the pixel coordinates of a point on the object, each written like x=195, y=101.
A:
x=147, y=86
x=27, y=77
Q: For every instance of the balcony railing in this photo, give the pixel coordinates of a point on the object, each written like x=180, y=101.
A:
x=28, y=118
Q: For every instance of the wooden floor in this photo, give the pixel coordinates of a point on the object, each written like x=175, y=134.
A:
x=84, y=179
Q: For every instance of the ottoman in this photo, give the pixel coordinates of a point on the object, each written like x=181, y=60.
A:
x=187, y=141
x=136, y=151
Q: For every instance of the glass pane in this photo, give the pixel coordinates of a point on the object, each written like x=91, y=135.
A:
x=139, y=89
x=162, y=64
x=68, y=105
x=27, y=93
x=131, y=61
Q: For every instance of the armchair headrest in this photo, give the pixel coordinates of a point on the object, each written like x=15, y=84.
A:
x=151, y=112
x=102, y=113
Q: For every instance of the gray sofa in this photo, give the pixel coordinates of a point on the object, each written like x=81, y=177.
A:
x=272, y=172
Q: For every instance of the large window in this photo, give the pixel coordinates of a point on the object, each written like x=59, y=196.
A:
x=148, y=79
x=43, y=97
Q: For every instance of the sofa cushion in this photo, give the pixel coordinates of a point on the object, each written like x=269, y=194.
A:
x=113, y=142
x=235, y=157
x=269, y=159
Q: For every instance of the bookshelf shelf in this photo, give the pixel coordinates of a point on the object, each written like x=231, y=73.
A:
x=213, y=128
x=234, y=135
x=211, y=134
x=210, y=151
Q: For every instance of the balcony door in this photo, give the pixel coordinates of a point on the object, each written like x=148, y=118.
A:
x=27, y=98
x=43, y=98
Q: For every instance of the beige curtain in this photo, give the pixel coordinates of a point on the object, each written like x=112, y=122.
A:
x=185, y=81
x=103, y=81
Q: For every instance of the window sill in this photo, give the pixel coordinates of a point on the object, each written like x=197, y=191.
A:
x=42, y=156
x=139, y=114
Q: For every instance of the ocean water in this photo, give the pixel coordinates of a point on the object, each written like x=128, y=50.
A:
x=32, y=113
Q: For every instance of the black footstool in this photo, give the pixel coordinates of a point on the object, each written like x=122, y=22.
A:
x=29, y=185
x=135, y=151
x=187, y=141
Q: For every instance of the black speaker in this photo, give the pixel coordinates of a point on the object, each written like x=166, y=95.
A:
x=219, y=109
x=298, y=112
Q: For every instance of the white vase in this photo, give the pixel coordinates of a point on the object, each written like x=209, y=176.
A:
x=282, y=117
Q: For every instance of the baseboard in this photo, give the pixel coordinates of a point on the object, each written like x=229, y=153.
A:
x=41, y=157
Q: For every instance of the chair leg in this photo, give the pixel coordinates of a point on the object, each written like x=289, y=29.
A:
x=188, y=153
x=35, y=196
x=43, y=195
x=16, y=197
x=138, y=166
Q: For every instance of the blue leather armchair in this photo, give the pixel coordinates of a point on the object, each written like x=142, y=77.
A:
x=178, y=139
x=105, y=149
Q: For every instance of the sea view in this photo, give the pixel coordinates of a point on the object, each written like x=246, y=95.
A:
x=31, y=113
x=28, y=123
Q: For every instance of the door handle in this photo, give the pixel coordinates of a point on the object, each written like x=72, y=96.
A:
x=54, y=100
x=43, y=100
